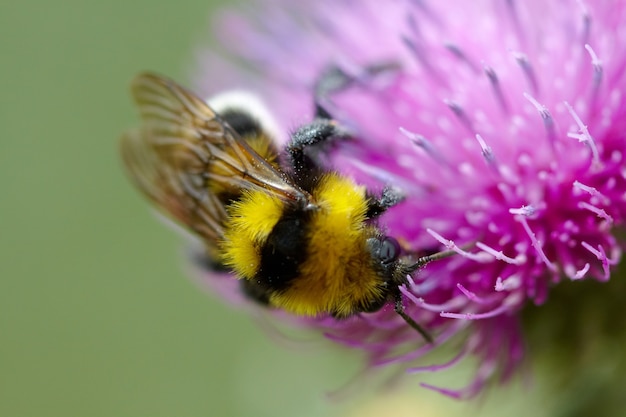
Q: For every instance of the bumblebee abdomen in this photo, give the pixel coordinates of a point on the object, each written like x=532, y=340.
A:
x=251, y=220
x=265, y=241
x=283, y=253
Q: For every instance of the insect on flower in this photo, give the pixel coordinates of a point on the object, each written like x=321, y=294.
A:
x=300, y=237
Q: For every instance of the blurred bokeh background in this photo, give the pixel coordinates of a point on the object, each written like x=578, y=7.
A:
x=97, y=316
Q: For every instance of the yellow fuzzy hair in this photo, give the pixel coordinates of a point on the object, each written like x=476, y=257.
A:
x=251, y=220
x=337, y=275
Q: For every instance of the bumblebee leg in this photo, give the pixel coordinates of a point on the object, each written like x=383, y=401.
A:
x=334, y=79
x=253, y=291
x=203, y=260
x=306, y=166
x=399, y=307
x=388, y=198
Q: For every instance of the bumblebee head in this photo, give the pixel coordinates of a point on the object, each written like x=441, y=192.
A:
x=385, y=252
x=384, y=249
x=394, y=269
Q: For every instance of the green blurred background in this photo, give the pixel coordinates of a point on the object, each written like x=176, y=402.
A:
x=97, y=317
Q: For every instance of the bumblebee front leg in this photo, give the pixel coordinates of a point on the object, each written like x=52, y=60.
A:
x=302, y=153
x=378, y=205
x=334, y=79
x=306, y=166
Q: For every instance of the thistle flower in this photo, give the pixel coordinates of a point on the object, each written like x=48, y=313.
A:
x=503, y=122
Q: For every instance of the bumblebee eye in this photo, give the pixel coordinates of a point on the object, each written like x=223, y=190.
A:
x=389, y=250
x=385, y=250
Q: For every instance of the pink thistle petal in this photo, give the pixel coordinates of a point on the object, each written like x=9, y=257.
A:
x=499, y=255
x=439, y=367
x=504, y=125
x=513, y=300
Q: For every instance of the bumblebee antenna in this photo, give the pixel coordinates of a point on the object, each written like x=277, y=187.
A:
x=423, y=260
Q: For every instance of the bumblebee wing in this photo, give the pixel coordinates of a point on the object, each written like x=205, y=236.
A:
x=176, y=193
x=183, y=151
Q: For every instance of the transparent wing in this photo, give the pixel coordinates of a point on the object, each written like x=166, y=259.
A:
x=183, y=151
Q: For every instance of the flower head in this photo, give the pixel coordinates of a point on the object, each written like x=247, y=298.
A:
x=503, y=122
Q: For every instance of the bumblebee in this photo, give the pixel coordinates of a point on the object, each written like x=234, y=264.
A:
x=299, y=237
